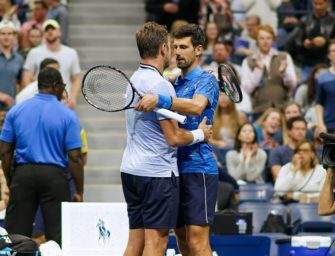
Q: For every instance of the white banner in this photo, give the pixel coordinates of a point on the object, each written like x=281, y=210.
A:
x=94, y=229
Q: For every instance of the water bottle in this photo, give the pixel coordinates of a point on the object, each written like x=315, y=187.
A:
x=242, y=226
x=170, y=252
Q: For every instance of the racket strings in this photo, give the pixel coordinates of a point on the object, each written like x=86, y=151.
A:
x=106, y=88
x=230, y=83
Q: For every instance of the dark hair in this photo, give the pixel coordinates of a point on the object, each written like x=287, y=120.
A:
x=46, y=62
x=238, y=144
x=311, y=83
x=150, y=38
x=49, y=77
x=294, y=119
x=191, y=30
x=42, y=3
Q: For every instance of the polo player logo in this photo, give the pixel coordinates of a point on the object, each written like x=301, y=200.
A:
x=104, y=234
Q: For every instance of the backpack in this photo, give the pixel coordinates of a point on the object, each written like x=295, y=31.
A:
x=18, y=245
x=274, y=223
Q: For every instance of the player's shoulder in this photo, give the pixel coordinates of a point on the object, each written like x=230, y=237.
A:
x=208, y=75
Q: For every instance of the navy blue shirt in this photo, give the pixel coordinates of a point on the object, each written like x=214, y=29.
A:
x=280, y=155
x=43, y=130
x=10, y=72
x=325, y=93
x=198, y=158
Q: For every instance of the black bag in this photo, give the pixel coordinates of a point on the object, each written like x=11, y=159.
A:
x=18, y=245
x=225, y=222
x=274, y=223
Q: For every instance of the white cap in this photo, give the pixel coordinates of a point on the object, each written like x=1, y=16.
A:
x=7, y=24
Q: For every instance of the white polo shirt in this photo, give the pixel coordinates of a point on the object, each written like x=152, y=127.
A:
x=147, y=152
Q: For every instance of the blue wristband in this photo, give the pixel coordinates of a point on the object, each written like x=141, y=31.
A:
x=164, y=101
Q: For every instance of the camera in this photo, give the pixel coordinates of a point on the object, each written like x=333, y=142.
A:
x=328, y=152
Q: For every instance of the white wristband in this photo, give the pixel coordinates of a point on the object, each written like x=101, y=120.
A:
x=198, y=136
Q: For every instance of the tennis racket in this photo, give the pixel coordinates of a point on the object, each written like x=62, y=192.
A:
x=105, y=88
x=229, y=83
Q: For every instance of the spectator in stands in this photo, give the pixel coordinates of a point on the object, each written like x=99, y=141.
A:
x=11, y=64
x=265, y=9
x=287, y=21
x=309, y=40
x=269, y=128
x=325, y=94
x=302, y=178
x=220, y=55
x=247, y=161
x=292, y=109
x=66, y=56
x=31, y=89
x=162, y=11
x=212, y=35
x=39, y=16
x=59, y=12
x=227, y=121
x=296, y=131
x=245, y=45
x=8, y=13
x=267, y=75
x=35, y=36
x=219, y=11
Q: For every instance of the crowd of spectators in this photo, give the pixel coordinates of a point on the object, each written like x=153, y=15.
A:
x=283, y=53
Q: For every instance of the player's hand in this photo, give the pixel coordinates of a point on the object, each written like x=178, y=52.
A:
x=147, y=103
x=77, y=198
x=207, y=129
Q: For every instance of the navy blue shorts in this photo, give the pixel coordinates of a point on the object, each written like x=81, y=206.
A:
x=152, y=203
x=198, y=193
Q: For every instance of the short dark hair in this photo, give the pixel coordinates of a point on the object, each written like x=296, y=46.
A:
x=42, y=3
x=47, y=61
x=294, y=119
x=49, y=77
x=150, y=38
x=191, y=30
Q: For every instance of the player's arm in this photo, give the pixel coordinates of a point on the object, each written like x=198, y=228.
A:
x=176, y=136
x=193, y=107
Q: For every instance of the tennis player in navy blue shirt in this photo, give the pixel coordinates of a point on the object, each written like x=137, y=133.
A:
x=45, y=136
x=197, y=96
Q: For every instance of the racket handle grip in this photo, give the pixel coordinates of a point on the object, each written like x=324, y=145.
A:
x=173, y=115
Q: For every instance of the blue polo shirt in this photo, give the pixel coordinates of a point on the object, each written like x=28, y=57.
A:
x=325, y=91
x=198, y=158
x=43, y=130
x=10, y=72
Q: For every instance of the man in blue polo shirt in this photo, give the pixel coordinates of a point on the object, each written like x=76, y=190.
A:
x=40, y=131
x=11, y=64
x=198, y=94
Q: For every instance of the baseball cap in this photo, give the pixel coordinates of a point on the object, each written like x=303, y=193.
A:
x=52, y=23
x=7, y=24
